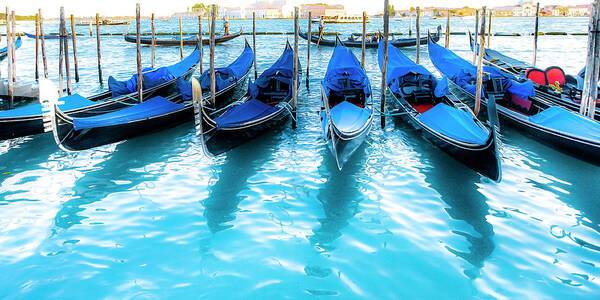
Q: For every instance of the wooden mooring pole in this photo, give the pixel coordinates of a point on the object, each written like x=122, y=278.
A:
x=447, y=36
x=476, y=32
x=74, y=38
x=200, y=47
x=536, y=33
x=254, y=42
x=489, y=31
x=43, y=44
x=296, y=69
x=180, y=38
x=37, y=46
x=98, y=51
x=418, y=26
x=64, y=39
x=9, y=68
x=213, y=80
x=363, y=45
x=386, y=29
x=590, y=85
x=153, y=43
x=308, y=49
x=13, y=31
x=479, y=83
x=138, y=48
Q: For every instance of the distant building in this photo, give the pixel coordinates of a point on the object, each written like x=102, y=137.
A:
x=525, y=9
x=231, y=12
x=503, y=11
x=318, y=10
x=579, y=10
x=267, y=9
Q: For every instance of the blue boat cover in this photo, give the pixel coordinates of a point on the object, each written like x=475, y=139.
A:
x=153, y=77
x=348, y=117
x=454, y=123
x=245, y=112
x=185, y=89
x=282, y=70
x=231, y=74
x=398, y=66
x=150, y=108
x=464, y=73
x=562, y=120
x=18, y=44
x=71, y=102
x=344, y=65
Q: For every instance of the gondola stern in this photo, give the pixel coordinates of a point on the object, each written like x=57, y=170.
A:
x=49, y=100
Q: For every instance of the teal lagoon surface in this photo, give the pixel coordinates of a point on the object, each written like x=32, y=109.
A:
x=153, y=217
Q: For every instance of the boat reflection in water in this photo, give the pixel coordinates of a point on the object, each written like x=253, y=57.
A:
x=123, y=169
x=340, y=197
x=240, y=165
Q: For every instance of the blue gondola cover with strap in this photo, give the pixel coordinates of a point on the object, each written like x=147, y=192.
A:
x=344, y=67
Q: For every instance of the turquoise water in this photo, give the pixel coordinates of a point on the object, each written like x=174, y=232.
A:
x=154, y=218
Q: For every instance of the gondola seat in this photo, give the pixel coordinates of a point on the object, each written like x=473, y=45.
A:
x=537, y=76
x=152, y=107
x=454, y=123
x=556, y=75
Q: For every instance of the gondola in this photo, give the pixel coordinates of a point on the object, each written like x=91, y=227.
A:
x=357, y=43
x=158, y=111
x=46, y=36
x=552, y=84
x=4, y=51
x=105, y=23
x=174, y=40
x=27, y=119
x=554, y=125
x=425, y=104
x=346, y=105
x=267, y=105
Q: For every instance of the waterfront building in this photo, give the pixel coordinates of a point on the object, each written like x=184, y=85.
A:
x=525, y=9
x=321, y=10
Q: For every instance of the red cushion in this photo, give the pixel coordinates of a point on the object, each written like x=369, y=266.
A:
x=423, y=107
x=536, y=75
x=556, y=74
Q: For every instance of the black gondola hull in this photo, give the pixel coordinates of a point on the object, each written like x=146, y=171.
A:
x=398, y=43
x=483, y=159
x=175, y=41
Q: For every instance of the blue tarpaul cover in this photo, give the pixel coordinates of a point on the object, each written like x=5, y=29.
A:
x=282, y=70
x=254, y=109
x=344, y=65
x=464, y=73
x=245, y=112
x=18, y=43
x=348, y=117
x=153, y=77
x=562, y=120
x=150, y=108
x=185, y=89
x=398, y=66
x=231, y=74
x=71, y=102
x=454, y=123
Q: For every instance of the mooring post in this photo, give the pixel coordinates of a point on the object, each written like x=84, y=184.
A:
x=447, y=40
x=536, y=33
x=200, y=42
x=386, y=30
x=138, y=48
x=98, y=52
x=590, y=86
x=91, y=32
x=363, y=45
x=64, y=39
x=74, y=38
x=153, y=43
x=43, y=44
x=213, y=80
x=418, y=58
x=479, y=83
x=13, y=31
x=180, y=38
x=295, y=79
x=61, y=52
x=309, y=35
x=476, y=33
x=37, y=46
x=409, y=23
x=9, y=58
x=489, y=32
x=254, y=42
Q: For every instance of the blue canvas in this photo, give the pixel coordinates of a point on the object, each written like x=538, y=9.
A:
x=562, y=120
x=245, y=112
x=71, y=102
x=229, y=75
x=454, y=123
x=348, y=117
x=344, y=65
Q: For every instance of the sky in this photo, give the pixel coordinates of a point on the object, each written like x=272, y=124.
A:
x=165, y=8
